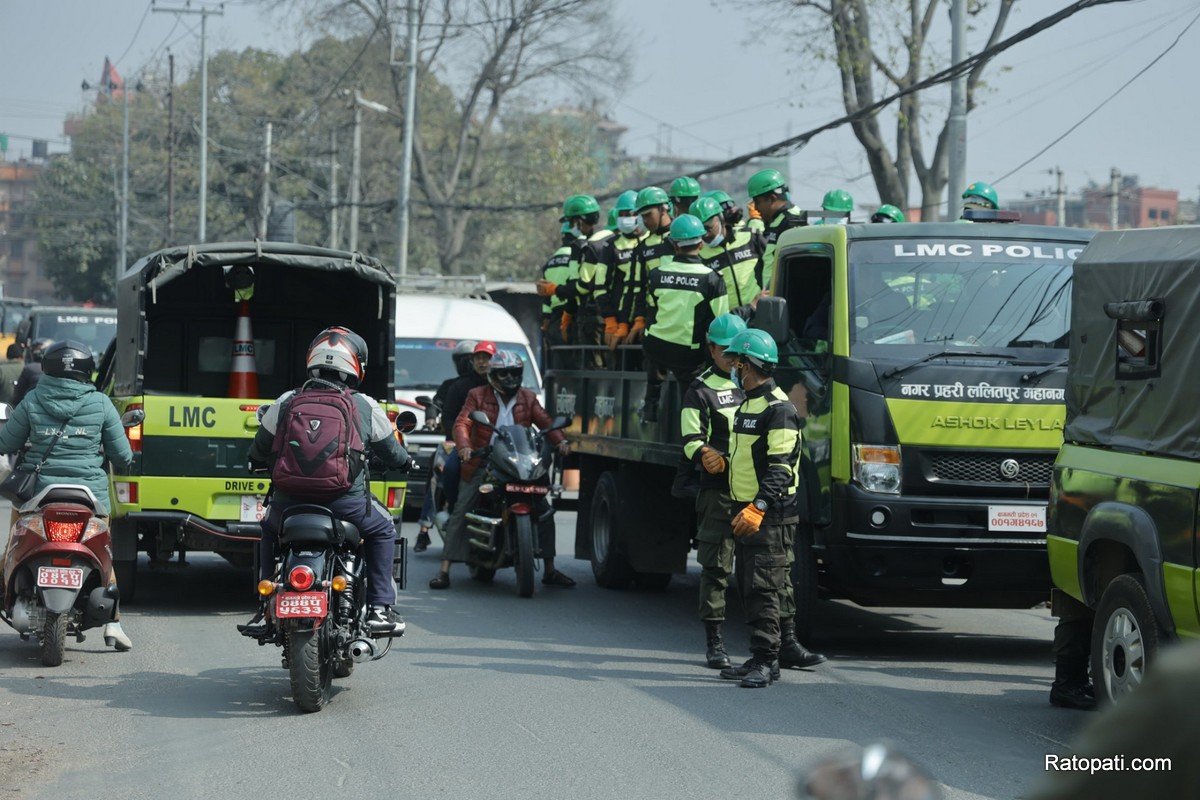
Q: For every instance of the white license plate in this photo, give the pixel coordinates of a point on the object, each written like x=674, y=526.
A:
x=253, y=509
x=293, y=605
x=60, y=577
x=1017, y=519
x=526, y=488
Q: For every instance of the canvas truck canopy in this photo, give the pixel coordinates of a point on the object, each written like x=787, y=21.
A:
x=177, y=312
x=1135, y=342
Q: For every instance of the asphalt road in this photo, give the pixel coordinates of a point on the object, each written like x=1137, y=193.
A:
x=581, y=693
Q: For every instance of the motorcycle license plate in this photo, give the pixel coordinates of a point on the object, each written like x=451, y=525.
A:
x=526, y=489
x=252, y=508
x=301, y=605
x=60, y=577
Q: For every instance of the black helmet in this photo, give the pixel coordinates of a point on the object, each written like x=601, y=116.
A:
x=338, y=354
x=69, y=359
x=38, y=349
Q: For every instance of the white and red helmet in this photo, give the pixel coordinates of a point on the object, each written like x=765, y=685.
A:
x=338, y=350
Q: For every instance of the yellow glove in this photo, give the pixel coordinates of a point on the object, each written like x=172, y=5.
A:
x=747, y=521
x=546, y=288
x=712, y=461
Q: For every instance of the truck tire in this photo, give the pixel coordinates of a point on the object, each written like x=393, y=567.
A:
x=1125, y=639
x=54, y=639
x=804, y=582
x=609, y=566
x=126, y=572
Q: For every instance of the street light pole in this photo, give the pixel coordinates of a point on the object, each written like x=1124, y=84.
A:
x=410, y=106
x=958, y=109
x=121, y=248
x=356, y=161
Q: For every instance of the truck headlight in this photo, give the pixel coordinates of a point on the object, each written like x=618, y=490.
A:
x=877, y=468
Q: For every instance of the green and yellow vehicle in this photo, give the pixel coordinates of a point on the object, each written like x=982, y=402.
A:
x=92, y=326
x=927, y=361
x=168, y=372
x=13, y=311
x=1123, y=534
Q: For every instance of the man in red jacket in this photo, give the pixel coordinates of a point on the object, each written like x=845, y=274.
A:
x=504, y=402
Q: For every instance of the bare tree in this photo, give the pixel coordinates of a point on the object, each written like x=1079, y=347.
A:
x=901, y=57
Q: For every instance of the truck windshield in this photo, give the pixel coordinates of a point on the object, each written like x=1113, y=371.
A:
x=911, y=297
x=94, y=330
x=425, y=363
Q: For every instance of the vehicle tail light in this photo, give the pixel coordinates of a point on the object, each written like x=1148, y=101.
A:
x=94, y=527
x=31, y=523
x=65, y=524
x=395, y=497
x=126, y=491
x=134, y=432
x=520, y=508
x=249, y=407
x=301, y=578
x=338, y=584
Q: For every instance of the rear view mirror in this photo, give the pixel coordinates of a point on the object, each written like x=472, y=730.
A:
x=771, y=316
x=559, y=423
x=133, y=417
x=424, y=400
x=480, y=418
x=406, y=422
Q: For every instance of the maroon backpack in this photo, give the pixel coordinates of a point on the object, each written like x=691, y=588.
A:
x=318, y=448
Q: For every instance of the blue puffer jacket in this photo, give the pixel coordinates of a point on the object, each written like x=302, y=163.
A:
x=77, y=457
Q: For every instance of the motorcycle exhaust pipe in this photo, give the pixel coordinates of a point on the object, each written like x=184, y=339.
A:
x=475, y=530
x=480, y=545
x=361, y=650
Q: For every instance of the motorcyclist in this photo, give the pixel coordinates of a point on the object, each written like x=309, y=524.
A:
x=461, y=356
x=504, y=402
x=32, y=372
x=456, y=397
x=65, y=396
x=337, y=359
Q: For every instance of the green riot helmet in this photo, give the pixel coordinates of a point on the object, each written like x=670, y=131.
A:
x=579, y=205
x=725, y=328
x=981, y=195
x=685, y=189
x=757, y=347
x=686, y=230
x=612, y=220
x=651, y=196
x=887, y=213
x=838, y=200
x=705, y=209
x=626, y=201
x=719, y=196
x=764, y=182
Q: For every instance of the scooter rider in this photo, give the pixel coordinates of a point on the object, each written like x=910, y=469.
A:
x=337, y=359
x=65, y=396
x=504, y=402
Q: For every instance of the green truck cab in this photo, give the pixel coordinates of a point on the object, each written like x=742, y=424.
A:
x=168, y=373
x=1123, y=526
x=927, y=361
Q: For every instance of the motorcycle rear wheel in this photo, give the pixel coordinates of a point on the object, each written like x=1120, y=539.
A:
x=309, y=668
x=54, y=639
x=524, y=556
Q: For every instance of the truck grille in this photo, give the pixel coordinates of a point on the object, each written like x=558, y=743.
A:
x=986, y=468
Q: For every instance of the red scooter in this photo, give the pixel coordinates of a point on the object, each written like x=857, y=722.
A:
x=58, y=559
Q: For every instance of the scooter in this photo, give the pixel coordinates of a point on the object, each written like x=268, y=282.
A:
x=56, y=570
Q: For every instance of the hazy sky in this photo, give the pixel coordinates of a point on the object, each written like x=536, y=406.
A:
x=707, y=69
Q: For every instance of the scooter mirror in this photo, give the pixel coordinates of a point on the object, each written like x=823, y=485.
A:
x=424, y=400
x=480, y=418
x=406, y=422
x=133, y=417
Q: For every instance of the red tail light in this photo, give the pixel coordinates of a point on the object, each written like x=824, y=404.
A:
x=64, y=523
x=301, y=578
x=134, y=432
x=519, y=508
x=394, y=497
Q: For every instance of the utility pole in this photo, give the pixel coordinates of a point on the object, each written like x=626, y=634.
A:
x=121, y=248
x=957, y=123
x=334, y=242
x=356, y=161
x=410, y=107
x=171, y=149
x=204, y=13
x=1114, y=196
x=264, y=202
x=1060, y=192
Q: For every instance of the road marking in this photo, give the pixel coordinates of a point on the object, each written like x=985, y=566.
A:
x=531, y=733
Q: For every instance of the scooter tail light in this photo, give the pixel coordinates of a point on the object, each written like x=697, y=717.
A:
x=301, y=578
x=520, y=508
x=95, y=527
x=65, y=523
x=64, y=531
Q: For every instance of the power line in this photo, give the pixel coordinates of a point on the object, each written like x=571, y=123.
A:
x=141, y=22
x=1103, y=102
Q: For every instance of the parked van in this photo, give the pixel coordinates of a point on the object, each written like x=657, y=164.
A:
x=428, y=326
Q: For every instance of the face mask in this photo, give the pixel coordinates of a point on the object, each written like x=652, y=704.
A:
x=575, y=231
x=717, y=240
x=735, y=377
x=627, y=225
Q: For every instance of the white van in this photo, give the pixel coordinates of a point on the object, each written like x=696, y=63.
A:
x=428, y=326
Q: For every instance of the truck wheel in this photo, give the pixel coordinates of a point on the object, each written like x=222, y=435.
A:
x=609, y=566
x=1124, y=639
x=54, y=639
x=804, y=582
x=126, y=572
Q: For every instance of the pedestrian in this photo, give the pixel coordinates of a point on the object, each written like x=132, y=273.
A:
x=1072, y=687
x=764, y=479
x=769, y=192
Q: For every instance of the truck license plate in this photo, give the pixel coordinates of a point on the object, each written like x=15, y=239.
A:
x=298, y=605
x=60, y=577
x=253, y=509
x=1017, y=519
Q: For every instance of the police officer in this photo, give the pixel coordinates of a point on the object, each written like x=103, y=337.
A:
x=837, y=202
x=887, y=213
x=734, y=217
x=704, y=421
x=653, y=206
x=769, y=191
x=763, y=467
x=585, y=276
x=684, y=192
x=630, y=233
x=732, y=253
x=980, y=195
x=682, y=297
x=556, y=271
x=1072, y=687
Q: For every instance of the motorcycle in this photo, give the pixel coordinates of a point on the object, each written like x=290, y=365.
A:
x=513, y=499
x=314, y=605
x=59, y=557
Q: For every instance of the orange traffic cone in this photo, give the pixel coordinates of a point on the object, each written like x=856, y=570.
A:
x=243, y=373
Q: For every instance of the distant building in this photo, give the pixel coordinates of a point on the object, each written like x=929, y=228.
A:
x=20, y=270
x=1137, y=206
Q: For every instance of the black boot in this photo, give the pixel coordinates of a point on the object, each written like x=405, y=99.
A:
x=423, y=541
x=739, y=673
x=1072, y=688
x=715, y=657
x=761, y=672
x=792, y=654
